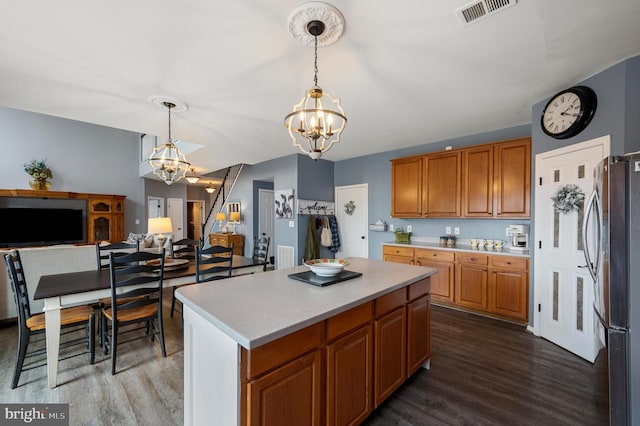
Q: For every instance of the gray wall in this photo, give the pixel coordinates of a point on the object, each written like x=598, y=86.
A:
x=315, y=182
x=83, y=157
x=283, y=172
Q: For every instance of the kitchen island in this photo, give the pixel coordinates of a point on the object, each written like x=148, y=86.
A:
x=267, y=349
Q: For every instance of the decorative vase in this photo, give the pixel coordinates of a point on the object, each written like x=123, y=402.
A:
x=40, y=184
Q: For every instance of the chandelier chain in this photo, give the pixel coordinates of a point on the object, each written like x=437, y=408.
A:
x=169, y=106
x=315, y=61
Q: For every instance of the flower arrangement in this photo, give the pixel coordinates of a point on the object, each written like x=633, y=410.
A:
x=38, y=170
x=569, y=197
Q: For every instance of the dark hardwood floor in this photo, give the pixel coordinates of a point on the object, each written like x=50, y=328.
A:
x=488, y=372
x=483, y=372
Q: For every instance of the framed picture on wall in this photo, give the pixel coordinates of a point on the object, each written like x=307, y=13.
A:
x=283, y=200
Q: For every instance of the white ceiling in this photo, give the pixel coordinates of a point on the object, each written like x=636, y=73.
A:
x=407, y=72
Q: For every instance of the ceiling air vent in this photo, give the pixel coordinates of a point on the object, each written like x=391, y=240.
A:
x=478, y=10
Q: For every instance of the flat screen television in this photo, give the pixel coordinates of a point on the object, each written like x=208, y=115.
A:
x=22, y=226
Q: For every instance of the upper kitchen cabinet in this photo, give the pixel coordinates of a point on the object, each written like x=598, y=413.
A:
x=496, y=179
x=484, y=181
x=442, y=184
x=513, y=178
x=406, y=187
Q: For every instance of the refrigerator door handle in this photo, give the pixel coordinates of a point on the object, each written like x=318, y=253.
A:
x=597, y=210
x=585, y=240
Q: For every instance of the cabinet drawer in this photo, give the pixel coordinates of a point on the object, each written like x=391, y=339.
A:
x=391, y=301
x=509, y=262
x=349, y=320
x=474, y=259
x=436, y=255
x=420, y=288
x=399, y=251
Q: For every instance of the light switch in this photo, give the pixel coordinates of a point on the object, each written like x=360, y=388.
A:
x=292, y=224
x=447, y=230
x=137, y=221
x=391, y=227
x=409, y=228
x=456, y=230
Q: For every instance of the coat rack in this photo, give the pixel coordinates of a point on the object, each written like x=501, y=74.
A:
x=316, y=207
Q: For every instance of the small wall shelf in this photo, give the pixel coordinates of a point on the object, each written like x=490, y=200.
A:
x=316, y=207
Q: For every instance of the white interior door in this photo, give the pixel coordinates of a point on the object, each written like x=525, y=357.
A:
x=266, y=218
x=175, y=210
x=353, y=227
x=563, y=289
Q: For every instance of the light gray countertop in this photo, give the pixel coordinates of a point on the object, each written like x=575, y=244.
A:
x=460, y=246
x=259, y=308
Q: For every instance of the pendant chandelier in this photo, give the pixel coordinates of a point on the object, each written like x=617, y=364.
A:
x=317, y=121
x=192, y=176
x=167, y=161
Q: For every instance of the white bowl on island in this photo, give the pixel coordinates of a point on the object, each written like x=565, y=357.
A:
x=326, y=267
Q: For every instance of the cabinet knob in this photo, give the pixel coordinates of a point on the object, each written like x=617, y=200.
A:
x=508, y=263
x=434, y=254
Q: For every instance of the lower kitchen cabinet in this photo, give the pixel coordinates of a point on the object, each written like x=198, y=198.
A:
x=390, y=365
x=418, y=332
x=441, y=283
x=350, y=377
x=337, y=371
x=297, y=384
x=492, y=284
x=398, y=254
x=508, y=288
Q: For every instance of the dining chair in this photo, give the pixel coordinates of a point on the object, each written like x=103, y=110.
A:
x=213, y=263
x=182, y=249
x=102, y=256
x=261, y=249
x=72, y=320
x=136, y=280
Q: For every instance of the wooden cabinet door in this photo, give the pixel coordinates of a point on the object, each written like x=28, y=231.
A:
x=442, y=184
x=477, y=182
x=508, y=292
x=290, y=395
x=471, y=286
x=442, y=284
x=418, y=333
x=390, y=354
x=513, y=178
x=349, y=378
x=406, y=187
x=100, y=226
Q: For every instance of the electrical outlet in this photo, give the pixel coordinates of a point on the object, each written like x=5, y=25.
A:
x=409, y=228
x=456, y=230
x=447, y=230
x=391, y=227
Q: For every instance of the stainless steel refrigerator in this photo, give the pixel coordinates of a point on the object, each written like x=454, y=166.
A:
x=611, y=233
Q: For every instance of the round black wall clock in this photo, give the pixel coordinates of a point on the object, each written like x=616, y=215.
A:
x=569, y=112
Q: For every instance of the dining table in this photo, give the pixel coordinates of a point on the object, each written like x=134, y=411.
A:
x=77, y=288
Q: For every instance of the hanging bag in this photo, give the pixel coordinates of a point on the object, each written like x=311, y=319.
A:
x=325, y=236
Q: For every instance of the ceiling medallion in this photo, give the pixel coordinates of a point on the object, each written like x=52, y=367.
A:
x=316, y=11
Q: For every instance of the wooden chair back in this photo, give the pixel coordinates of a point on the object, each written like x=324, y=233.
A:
x=142, y=274
x=184, y=248
x=261, y=248
x=19, y=287
x=103, y=250
x=213, y=263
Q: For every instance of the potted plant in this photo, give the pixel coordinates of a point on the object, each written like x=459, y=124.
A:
x=40, y=173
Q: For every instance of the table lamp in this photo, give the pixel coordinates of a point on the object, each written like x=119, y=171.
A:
x=234, y=218
x=160, y=226
x=220, y=217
